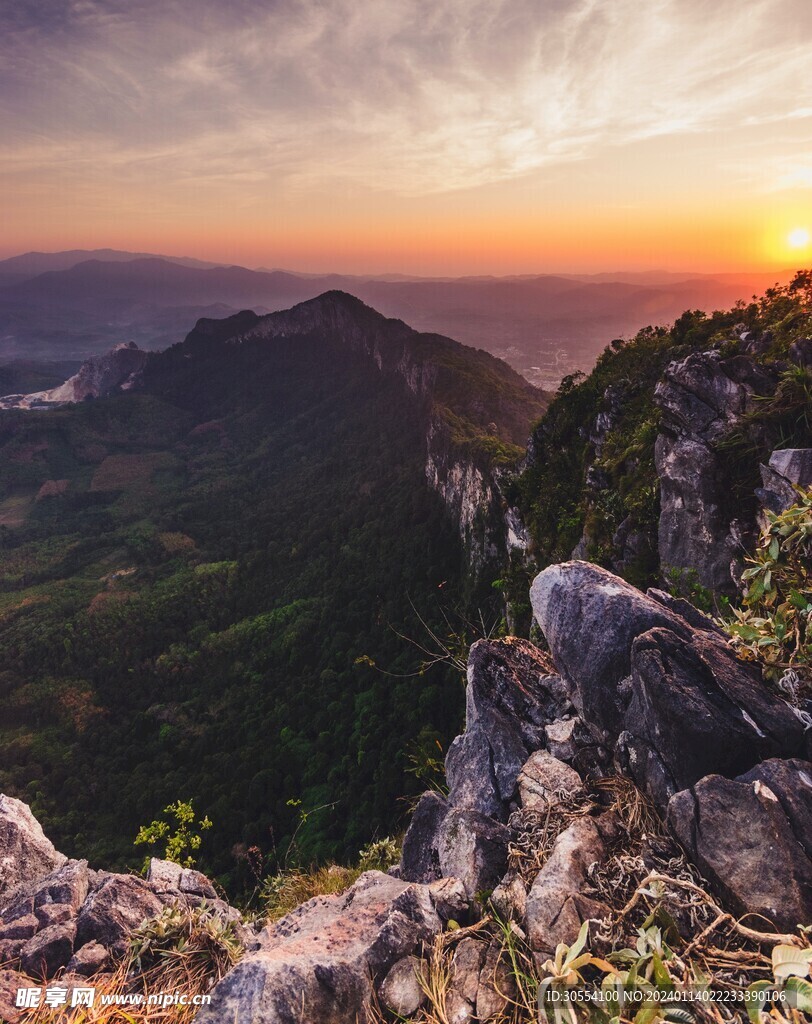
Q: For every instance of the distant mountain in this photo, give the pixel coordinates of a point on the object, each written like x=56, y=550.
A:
x=545, y=326
x=30, y=264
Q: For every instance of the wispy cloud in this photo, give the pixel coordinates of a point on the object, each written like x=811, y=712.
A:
x=391, y=95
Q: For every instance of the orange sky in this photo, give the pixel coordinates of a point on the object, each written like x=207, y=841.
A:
x=401, y=135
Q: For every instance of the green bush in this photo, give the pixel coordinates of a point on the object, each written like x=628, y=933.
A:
x=773, y=626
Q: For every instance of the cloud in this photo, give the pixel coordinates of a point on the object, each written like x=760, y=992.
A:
x=404, y=96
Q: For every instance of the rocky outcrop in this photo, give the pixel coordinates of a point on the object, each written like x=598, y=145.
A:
x=511, y=698
x=703, y=399
x=25, y=853
x=750, y=843
x=667, y=695
x=695, y=710
x=590, y=619
x=319, y=962
x=116, y=370
x=57, y=914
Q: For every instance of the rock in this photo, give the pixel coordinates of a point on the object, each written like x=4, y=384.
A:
x=544, y=781
x=49, y=950
x=496, y=986
x=791, y=782
x=473, y=848
x=89, y=960
x=697, y=711
x=449, y=898
x=571, y=741
x=317, y=964
x=10, y=950
x=54, y=913
x=787, y=469
x=556, y=905
x=466, y=965
x=25, y=852
x=67, y=886
x=420, y=858
x=510, y=698
x=458, y=1010
x=21, y=928
x=738, y=834
x=195, y=883
x=400, y=990
x=10, y=982
x=793, y=464
x=590, y=618
x=509, y=898
x=693, y=616
x=113, y=911
x=167, y=877
x=164, y=875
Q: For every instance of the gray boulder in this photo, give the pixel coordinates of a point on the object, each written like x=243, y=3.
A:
x=590, y=619
x=695, y=711
x=26, y=854
x=557, y=905
x=787, y=469
x=746, y=840
x=49, y=950
x=544, y=781
x=420, y=857
x=318, y=963
x=473, y=848
x=88, y=960
x=497, y=986
x=400, y=990
x=113, y=911
x=165, y=876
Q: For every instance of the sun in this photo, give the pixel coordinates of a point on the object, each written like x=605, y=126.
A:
x=798, y=238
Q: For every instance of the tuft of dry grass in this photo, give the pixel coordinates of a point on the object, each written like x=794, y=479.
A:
x=284, y=892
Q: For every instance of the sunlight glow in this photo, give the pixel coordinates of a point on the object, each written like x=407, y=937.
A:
x=798, y=238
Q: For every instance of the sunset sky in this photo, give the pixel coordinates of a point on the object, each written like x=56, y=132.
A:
x=436, y=137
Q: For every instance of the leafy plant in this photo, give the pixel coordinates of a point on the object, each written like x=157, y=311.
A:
x=181, y=843
x=773, y=626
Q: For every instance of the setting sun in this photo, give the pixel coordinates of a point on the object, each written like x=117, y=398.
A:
x=798, y=238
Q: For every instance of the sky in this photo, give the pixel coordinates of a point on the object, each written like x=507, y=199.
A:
x=415, y=136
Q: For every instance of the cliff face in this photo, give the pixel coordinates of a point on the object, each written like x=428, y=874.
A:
x=705, y=399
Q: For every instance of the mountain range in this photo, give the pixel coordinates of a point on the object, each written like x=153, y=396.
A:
x=76, y=304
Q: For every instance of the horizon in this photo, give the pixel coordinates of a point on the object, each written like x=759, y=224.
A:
x=780, y=272
x=498, y=139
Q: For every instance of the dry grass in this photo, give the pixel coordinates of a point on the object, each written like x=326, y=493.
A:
x=181, y=952
x=284, y=892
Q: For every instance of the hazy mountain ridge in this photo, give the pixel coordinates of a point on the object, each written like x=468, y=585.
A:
x=546, y=326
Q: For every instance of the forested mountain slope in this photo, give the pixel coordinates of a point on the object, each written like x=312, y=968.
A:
x=201, y=579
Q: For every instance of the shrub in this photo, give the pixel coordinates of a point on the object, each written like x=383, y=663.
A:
x=773, y=626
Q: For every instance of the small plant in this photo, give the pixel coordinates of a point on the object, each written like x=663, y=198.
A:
x=180, y=843
x=379, y=855
x=202, y=940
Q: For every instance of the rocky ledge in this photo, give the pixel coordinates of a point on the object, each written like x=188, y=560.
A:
x=637, y=751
